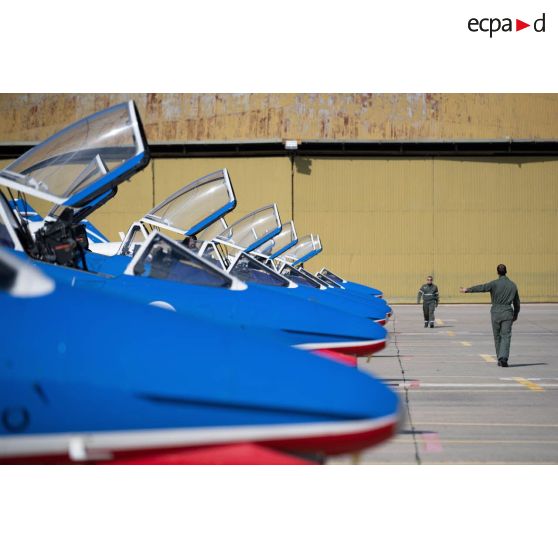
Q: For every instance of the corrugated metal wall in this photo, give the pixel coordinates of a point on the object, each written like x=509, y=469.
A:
x=391, y=222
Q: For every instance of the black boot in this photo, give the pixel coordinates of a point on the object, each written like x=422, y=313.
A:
x=503, y=362
x=431, y=324
x=425, y=324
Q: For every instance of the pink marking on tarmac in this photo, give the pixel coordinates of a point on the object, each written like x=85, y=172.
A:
x=414, y=384
x=432, y=442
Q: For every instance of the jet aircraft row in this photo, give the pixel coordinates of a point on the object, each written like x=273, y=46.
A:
x=191, y=340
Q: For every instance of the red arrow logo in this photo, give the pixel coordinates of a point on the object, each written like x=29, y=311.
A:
x=519, y=25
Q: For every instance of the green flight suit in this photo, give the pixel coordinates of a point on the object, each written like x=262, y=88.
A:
x=503, y=293
x=430, y=298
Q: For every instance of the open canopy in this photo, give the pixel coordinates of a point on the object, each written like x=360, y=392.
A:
x=253, y=230
x=84, y=161
x=196, y=206
x=213, y=230
x=307, y=247
x=280, y=243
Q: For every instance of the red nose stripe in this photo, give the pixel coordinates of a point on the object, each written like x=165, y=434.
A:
x=337, y=443
x=364, y=350
x=349, y=360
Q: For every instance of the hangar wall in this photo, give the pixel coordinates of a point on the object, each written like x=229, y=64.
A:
x=389, y=222
x=384, y=221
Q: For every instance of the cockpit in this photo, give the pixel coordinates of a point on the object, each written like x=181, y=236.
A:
x=162, y=258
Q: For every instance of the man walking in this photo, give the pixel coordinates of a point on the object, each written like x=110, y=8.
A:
x=503, y=294
x=430, y=298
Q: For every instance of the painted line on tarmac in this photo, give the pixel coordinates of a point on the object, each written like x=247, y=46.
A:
x=422, y=384
x=488, y=358
x=462, y=391
x=431, y=442
x=528, y=384
x=451, y=333
x=478, y=333
x=535, y=379
x=465, y=343
x=439, y=322
x=513, y=442
x=483, y=424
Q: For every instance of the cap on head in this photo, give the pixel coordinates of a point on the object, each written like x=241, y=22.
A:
x=501, y=269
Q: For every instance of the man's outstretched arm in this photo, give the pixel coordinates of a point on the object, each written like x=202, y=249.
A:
x=484, y=288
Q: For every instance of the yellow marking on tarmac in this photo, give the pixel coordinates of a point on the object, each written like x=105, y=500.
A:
x=450, y=333
x=355, y=458
x=439, y=322
x=465, y=343
x=488, y=358
x=483, y=424
x=528, y=384
x=515, y=442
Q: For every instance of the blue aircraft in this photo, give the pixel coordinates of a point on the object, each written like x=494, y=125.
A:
x=100, y=379
x=254, y=233
x=193, y=210
x=311, y=246
x=78, y=170
x=307, y=248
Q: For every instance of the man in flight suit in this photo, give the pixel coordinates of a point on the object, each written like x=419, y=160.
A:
x=430, y=297
x=503, y=293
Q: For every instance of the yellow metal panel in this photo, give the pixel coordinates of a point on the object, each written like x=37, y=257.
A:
x=374, y=217
x=389, y=223
x=497, y=211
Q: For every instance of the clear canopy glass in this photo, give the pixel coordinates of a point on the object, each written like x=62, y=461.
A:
x=195, y=206
x=162, y=258
x=135, y=237
x=249, y=270
x=330, y=275
x=213, y=230
x=306, y=247
x=82, y=161
x=281, y=242
x=329, y=282
x=296, y=276
x=254, y=229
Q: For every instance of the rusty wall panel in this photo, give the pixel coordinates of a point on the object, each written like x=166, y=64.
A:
x=260, y=117
x=389, y=223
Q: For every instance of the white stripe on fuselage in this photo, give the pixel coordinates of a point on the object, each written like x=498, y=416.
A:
x=339, y=345
x=28, y=445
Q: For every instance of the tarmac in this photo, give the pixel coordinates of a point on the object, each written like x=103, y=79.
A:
x=460, y=407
